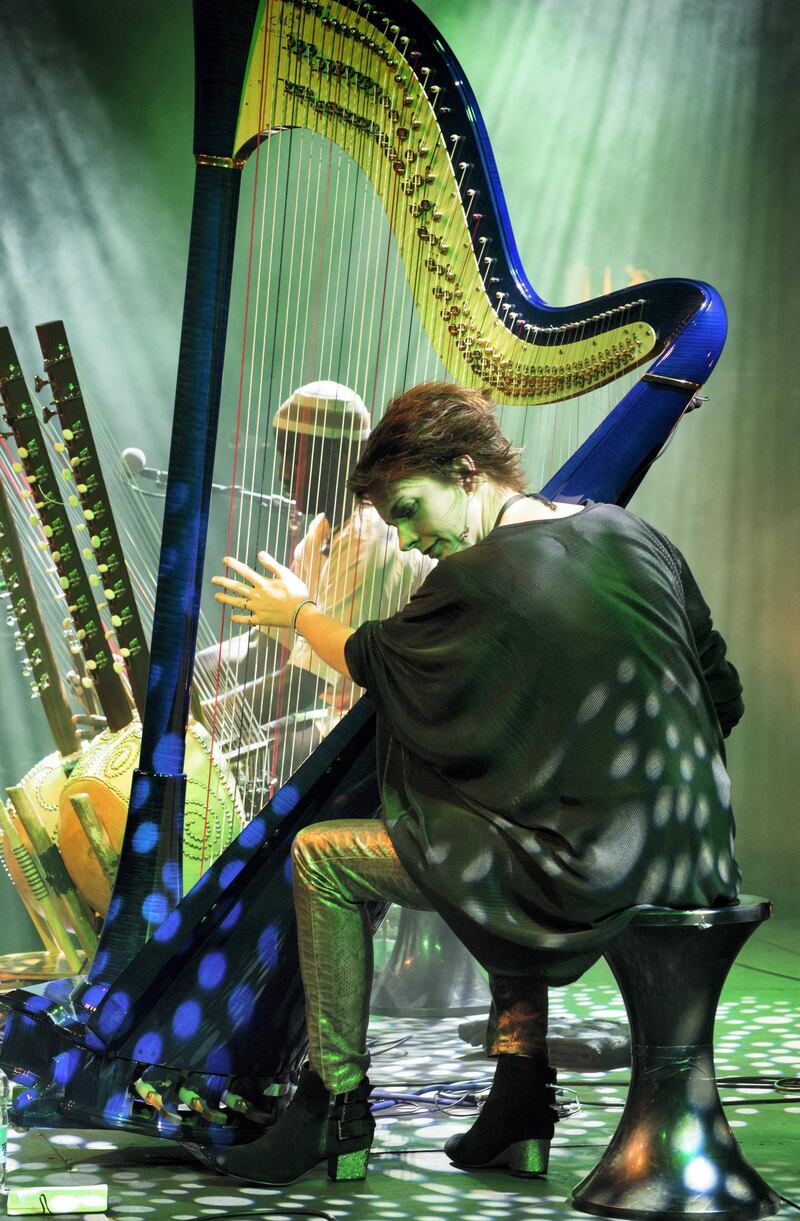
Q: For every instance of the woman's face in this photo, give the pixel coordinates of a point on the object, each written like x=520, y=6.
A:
x=430, y=515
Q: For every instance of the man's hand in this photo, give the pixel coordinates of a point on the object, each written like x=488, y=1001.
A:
x=308, y=556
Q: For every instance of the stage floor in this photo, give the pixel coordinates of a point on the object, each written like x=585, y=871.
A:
x=758, y=1035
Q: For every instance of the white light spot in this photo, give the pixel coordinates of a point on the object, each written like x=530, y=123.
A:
x=478, y=868
x=687, y=766
x=680, y=876
x=684, y=803
x=548, y=768
x=471, y=908
x=654, y=882
x=738, y=1187
x=668, y=682
x=626, y=719
x=702, y=812
x=438, y=853
x=673, y=737
x=652, y=705
x=623, y=762
x=592, y=704
x=699, y=746
x=700, y=1174
x=721, y=780
x=626, y=669
x=662, y=808
x=654, y=764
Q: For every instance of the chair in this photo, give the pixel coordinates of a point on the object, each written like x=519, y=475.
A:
x=673, y=1154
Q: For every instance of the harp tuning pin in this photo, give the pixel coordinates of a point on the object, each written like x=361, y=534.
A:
x=48, y=413
x=39, y=383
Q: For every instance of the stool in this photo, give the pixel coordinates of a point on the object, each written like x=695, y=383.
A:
x=673, y=1154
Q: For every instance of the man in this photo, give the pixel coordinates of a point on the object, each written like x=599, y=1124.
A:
x=348, y=558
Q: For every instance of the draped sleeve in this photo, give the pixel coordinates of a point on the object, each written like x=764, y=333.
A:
x=437, y=669
x=722, y=677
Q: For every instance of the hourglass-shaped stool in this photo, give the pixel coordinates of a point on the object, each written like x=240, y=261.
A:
x=673, y=1154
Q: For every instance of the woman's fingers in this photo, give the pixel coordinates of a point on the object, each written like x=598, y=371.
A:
x=232, y=600
x=243, y=570
x=271, y=564
x=237, y=587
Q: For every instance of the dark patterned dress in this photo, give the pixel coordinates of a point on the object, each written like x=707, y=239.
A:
x=551, y=711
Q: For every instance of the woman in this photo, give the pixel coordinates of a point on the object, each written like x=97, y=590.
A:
x=551, y=708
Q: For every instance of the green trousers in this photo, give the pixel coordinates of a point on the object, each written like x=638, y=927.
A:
x=339, y=866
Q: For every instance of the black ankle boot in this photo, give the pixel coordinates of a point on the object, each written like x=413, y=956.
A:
x=516, y=1123
x=316, y=1126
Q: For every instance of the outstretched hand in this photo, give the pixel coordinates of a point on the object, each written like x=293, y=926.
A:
x=261, y=601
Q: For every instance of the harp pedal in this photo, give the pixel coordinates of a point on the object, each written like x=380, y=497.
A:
x=196, y=1103
x=150, y=1094
x=238, y=1105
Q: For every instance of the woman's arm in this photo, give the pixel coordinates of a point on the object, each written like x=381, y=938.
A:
x=326, y=636
x=282, y=600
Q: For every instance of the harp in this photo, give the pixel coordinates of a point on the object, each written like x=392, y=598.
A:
x=177, y=989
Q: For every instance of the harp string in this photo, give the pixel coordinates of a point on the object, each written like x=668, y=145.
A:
x=318, y=315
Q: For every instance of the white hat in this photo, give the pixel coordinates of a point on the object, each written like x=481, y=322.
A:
x=324, y=409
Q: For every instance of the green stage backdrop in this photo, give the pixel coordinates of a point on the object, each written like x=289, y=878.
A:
x=634, y=139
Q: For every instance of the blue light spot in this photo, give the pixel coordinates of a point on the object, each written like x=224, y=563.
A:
x=149, y=1047
x=212, y=970
x=114, y=909
x=169, y=555
x=285, y=799
x=186, y=1019
x=93, y=995
x=171, y=877
x=167, y=1127
x=92, y=1042
x=141, y=789
x=64, y=1066
x=253, y=835
x=154, y=675
x=100, y=963
x=203, y=880
x=37, y=1004
x=232, y=918
x=241, y=1004
x=287, y=869
x=219, y=1060
x=168, y=755
x=229, y=872
x=145, y=837
x=169, y=929
x=25, y=1099
x=268, y=946
x=155, y=908
x=177, y=496
x=113, y=1013
x=118, y=1106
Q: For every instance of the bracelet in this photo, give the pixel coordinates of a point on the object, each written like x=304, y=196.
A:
x=297, y=609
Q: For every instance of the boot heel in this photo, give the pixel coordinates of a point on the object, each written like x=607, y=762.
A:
x=528, y=1158
x=348, y=1167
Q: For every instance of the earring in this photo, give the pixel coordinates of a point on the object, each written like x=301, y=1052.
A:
x=464, y=535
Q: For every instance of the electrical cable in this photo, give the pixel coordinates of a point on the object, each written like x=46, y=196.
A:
x=763, y=971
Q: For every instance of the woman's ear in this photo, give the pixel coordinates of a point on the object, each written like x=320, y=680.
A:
x=466, y=472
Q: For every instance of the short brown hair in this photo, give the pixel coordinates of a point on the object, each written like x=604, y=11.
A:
x=425, y=430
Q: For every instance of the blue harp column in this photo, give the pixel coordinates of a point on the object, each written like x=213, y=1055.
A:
x=149, y=879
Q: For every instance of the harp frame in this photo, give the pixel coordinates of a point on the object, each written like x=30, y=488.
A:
x=145, y=939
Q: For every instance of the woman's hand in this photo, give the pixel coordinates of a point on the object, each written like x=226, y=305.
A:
x=268, y=601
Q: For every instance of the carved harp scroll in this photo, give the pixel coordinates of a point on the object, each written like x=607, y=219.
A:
x=379, y=82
